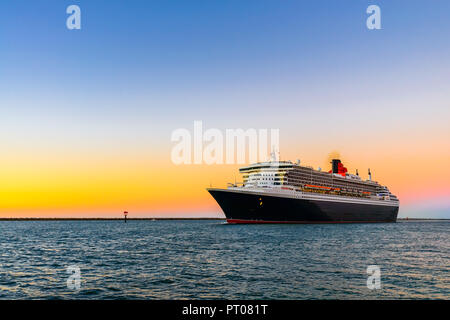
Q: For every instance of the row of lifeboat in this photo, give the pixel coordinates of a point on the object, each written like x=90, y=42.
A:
x=329, y=190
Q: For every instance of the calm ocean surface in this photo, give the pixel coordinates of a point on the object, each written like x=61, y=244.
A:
x=210, y=260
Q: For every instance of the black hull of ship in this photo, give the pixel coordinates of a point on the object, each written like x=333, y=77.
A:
x=242, y=207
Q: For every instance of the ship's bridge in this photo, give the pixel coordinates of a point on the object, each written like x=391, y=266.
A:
x=265, y=174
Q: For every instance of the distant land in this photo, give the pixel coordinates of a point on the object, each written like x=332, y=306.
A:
x=101, y=219
x=137, y=219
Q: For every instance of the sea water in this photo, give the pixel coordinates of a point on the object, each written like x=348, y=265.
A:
x=213, y=260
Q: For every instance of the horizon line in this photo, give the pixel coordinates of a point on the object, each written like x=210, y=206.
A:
x=166, y=218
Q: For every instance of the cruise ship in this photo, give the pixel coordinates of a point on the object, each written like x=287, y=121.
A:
x=286, y=192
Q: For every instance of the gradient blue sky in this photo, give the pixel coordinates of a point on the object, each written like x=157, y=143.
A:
x=137, y=70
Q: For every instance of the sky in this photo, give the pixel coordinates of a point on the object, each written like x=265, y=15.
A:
x=87, y=115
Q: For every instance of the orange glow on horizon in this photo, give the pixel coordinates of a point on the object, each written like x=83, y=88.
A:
x=80, y=185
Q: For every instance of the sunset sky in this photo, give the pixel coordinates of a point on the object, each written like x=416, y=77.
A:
x=87, y=115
